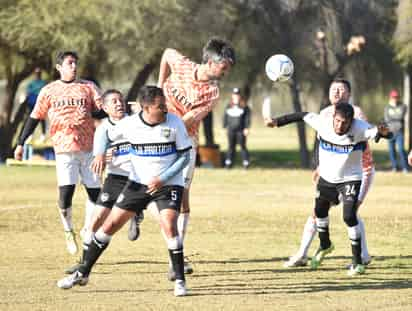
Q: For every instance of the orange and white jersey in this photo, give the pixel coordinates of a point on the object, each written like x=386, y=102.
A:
x=368, y=167
x=69, y=105
x=185, y=95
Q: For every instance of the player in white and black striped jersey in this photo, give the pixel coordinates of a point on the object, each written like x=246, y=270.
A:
x=159, y=151
x=342, y=141
x=339, y=91
x=118, y=168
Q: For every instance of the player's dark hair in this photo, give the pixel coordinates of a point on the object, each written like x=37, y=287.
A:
x=345, y=110
x=218, y=51
x=343, y=81
x=148, y=93
x=109, y=92
x=62, y=55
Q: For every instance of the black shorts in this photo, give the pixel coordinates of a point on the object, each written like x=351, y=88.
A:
x=134, y=197
x=112, y=187
x=347, y=191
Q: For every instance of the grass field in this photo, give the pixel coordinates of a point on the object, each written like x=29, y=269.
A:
x=244, y=224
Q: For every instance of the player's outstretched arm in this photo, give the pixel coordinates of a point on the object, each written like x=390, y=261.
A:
x=285, y=119
x=383, y=132
x=28, y=129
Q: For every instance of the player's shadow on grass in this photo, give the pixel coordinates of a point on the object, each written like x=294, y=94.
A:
x=132, y=262
x=246, y=287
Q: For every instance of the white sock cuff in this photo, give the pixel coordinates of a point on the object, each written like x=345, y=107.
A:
x=102, y=237
x=87, y=237
x=322, y=222
x=174, y=243
x=354, y=232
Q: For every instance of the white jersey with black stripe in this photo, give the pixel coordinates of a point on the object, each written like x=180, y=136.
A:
x=120, y=163
x=340, y=156
x=153, y=148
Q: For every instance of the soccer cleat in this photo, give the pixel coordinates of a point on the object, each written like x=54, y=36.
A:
x=73, y=279
x=180, y=288
x=320, y=255
x=71, y=242
x=134, y=226
x=296, y=261
x=365, y=262
x=356, y=270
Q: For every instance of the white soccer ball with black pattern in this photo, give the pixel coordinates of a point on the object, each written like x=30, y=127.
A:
x=279, y=68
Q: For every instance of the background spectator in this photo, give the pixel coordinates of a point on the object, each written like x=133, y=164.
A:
x=395, y=113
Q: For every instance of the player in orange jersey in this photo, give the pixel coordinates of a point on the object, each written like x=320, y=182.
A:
x=68, y=103
x=191, y=92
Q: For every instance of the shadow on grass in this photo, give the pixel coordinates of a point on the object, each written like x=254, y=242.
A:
x=291, y=159
x=249, y=260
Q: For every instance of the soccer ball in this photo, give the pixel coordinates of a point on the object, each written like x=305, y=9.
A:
x=279, y=68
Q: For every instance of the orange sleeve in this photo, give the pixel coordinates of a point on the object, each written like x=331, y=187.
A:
x=42, y=105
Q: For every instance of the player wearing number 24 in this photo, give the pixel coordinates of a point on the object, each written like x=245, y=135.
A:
x=340, y=169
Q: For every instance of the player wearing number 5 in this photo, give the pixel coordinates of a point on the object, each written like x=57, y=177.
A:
x=341, y=142
x=159, y=151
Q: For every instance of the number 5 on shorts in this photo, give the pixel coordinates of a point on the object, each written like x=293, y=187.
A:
x=173, y=195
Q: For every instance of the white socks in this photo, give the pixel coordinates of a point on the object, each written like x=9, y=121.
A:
x=309, y=232
x=102, y=237
x=66, y=217
x=365, y=252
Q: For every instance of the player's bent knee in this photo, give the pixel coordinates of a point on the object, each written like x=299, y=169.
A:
x=321, y=208
x=93, y=194
x=349, y=216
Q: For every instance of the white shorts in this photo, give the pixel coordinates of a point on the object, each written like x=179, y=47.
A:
x=71, y=165
x=189, y=169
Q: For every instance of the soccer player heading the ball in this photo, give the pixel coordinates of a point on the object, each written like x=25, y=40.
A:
x=341, y=142
x=191, y=92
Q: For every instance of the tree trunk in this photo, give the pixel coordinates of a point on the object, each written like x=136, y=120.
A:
x=142, y=76
x=297, y=107
x=8, y=126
